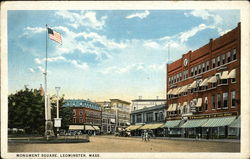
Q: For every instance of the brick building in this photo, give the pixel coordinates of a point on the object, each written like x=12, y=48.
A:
x=87, y=115
x=203, y=88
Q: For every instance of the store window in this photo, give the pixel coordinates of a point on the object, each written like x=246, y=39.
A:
x=213, y=62
x=213, y=102
x=218, y=61
x=218, y=101
x=234, y=54
x=203, y=67
x=223, y=59
x=233, y=99
x=207, y=65
x=228, y=56
x=225, y=100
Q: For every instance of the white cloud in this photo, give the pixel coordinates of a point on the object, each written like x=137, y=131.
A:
x=83, y=66
x=31, y=70
x=85, y=18
x=184, y=36
x=151, y=44
x=138, y=15
x=41, y=69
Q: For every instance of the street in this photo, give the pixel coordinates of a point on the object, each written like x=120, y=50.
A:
x=124, y=144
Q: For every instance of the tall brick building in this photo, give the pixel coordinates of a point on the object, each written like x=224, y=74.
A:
x=203, y=88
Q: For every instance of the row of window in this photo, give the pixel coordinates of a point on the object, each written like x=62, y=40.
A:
x=149, y=117
x=216, y=62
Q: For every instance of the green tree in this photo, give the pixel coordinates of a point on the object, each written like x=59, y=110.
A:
x=26, y=111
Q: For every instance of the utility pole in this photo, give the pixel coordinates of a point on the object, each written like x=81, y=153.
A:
x=57, y=119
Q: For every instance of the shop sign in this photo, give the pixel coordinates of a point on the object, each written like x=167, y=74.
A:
x=213, y=115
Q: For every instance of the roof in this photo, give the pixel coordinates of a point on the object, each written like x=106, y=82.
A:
x=148, y=100
x=162, y=106
x=118, y=100
x=81, y=103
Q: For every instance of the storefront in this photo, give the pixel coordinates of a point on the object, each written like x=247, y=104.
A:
x=134, y=129
x=172, y=128
x=234, y=128
x=192, y=128
x=154, y=129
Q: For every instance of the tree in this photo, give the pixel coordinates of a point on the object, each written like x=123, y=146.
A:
x=26, y=111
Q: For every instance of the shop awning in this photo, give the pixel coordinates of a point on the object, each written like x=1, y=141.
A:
x=204, y=82
x=151, y=126
x=235, y=123
x=193, y=85
x=199, y=102
x=174, y=107
x=179, y=106
x=175, y=91
x=224, y=75
x=185, y=89
x=89, y=127
x=212, y=79
x=170, y=91
x=170, y=107
x=194, y=123
x=133, y=127
x=217, y=122
x=184, y=104
x=96, y=127
x=232, y=74
x=76, y=127
x=171, y=124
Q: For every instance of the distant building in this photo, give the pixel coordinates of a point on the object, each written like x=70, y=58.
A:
x=115, y=115
x=87, y=115
x=148, y=118
x=145, y=103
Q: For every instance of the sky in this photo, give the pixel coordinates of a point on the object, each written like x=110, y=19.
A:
x=107, y=54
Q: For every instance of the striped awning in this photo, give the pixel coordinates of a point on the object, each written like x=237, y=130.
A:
x=151, y=126
x=184, y=104
x=232, y=74
x=174, y=107
x=170, y=107
x=217, y=122
x=170, y=91
x=199, y=102
x=133, y=127
x=175, y=91
x=76, y=127
x=171, y=124
x=194, y=123
x=235, y=123
x=89, y=127
x=224, y=75
x=212, y=79
x=204, y=82
x=96, y=127
x=193, y=85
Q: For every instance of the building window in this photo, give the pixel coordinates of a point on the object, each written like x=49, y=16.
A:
x=234, y=54
x=149, y=117
x=180, y=76
x=169, y=80
x=80, y=121
x=199, y=69
x=74, y=120
x=223, y=59
x=213, y=102
x=218, y=61
x=138, y=118
x=81, y=112
x=233, y=80
x=74, y=112
x=228, y=56
x=174, y=78
x=177, y=76
x=233, y=99
x=207, y=65
x=203, y=67
x=186, y=73
x=213, y=62
x=195, y=70
x=225, y=100
x=218, y=101
x=205, y=104
x=224, y=81
x=192, y=71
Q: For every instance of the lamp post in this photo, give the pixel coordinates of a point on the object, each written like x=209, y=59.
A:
x=57, y=119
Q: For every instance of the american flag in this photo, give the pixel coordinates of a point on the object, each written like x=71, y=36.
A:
x=53, y=35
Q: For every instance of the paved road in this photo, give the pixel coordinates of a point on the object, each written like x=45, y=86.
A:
x=123, y=144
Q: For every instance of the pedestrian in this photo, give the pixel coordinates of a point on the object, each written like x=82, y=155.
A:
x=146, y=136
x=142, y=135
x=207, y=133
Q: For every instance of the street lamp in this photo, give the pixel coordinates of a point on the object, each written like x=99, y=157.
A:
x=57, y=119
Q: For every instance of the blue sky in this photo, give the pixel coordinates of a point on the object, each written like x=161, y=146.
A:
x=107, y=53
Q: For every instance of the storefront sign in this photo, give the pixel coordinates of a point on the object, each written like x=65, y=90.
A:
x=213, y=115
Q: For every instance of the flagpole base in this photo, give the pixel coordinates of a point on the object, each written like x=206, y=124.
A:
x=49, y=133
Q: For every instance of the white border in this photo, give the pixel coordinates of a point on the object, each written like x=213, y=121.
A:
x=133, y=5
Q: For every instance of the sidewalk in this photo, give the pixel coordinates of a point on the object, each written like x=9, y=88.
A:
x=193, y=139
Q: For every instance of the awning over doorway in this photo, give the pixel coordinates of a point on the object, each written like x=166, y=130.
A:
x=212, y=79
x=96, y=127
x=235, y=123
x=205, y=82
x=224, y=75
x=217, y=122
x=171, y=124
x=89, y=127
x=76, y=127
x=151, y=126
x=194, y=123
x=193, y=85
x=232, y=74
x=133, y=127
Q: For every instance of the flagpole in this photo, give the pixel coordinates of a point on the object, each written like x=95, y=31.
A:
x=45, y=76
